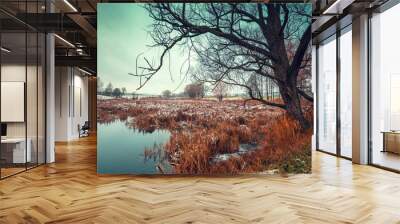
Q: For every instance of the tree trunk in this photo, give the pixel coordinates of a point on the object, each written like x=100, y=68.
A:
x=292, y=102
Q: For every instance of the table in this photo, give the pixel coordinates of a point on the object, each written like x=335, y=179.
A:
x=391, y=141
x=19, y=155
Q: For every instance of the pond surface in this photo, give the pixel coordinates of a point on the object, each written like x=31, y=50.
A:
x=120, y=150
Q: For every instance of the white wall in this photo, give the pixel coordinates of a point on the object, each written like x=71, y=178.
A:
x=34, y=125
x=71, y=87
x=80, y=110
x=14, y=72
x=17, y=73
x=62, y=81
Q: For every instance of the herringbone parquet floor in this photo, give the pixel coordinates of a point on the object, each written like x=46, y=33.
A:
x=69, y=191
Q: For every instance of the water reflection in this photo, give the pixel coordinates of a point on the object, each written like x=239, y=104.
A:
x=124, y=150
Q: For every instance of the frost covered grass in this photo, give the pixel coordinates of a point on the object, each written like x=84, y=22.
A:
x=203, y=129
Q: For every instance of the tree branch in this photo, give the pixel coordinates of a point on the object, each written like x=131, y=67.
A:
x=305, y=95
x=301, y=50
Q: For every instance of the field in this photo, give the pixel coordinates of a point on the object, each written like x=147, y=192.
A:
x=211, y=137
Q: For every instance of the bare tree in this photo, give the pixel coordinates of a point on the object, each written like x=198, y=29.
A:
x=117, y=93
x=194, y=90
x=109, y=89
x=123, y=91
x=166, y=93
x=220, y=90
x=234, y=42
x=255, y=86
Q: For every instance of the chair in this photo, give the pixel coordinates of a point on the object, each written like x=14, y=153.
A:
x=84, y=130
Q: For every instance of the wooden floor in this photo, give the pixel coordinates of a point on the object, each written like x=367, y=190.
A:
x=387, y=159
x=5, y=172
x=69, y=191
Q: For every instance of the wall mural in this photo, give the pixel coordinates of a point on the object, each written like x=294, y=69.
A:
x=204, y=88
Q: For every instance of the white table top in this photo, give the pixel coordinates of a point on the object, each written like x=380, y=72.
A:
x=13, y=140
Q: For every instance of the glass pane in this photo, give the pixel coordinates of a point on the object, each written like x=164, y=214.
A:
x=327, y=96
x=41, y=99
x=13, y=86
x=32, y=98
x=23, y=91
x=385, y=86
x=346, y=94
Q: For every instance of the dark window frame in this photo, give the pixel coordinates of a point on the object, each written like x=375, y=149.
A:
x=332, y=37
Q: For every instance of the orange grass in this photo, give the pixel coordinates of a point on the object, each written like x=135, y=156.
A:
x=202, y=129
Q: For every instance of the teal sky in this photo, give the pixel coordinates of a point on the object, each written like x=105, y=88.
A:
x=122, y=35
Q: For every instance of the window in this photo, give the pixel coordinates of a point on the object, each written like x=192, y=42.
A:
x=385, y=89
x=346, y=93
x=327, y=96
x=22, y=77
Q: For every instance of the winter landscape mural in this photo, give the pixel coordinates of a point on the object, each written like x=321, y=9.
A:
x=204, y=88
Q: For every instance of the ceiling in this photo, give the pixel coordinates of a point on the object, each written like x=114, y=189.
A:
x=75, y=23
x=331, y=15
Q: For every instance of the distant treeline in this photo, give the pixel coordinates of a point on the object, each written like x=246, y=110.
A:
x=194, y=90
